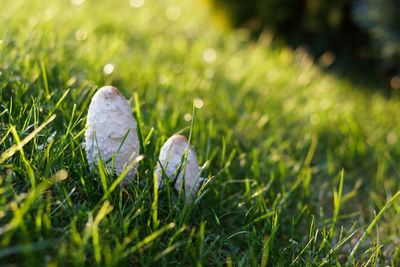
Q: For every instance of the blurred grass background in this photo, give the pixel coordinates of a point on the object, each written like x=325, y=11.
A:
x=275, y=129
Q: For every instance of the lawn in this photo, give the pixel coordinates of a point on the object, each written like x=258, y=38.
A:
x=302, y=166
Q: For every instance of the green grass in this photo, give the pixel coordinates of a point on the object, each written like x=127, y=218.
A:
x=303, y=167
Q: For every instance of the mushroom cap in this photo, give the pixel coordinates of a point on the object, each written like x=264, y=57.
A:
x=171, y=157
x=109, y=119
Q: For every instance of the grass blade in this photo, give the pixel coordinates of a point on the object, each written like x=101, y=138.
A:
x=12, y=150
x=371, y=225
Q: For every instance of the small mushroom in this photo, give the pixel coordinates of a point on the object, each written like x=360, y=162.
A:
x=111, y=131
x=171, y=158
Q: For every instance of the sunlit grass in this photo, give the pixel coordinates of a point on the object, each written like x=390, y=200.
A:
x=300, y=163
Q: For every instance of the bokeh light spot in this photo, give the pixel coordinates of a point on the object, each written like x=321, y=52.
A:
x=187, y=117
x=242, y=162
x=209, y=55
x=136, y=3
x=108, y=68
x=327, y=58
x=395, y=82
x=162, y=79
x=325, y=103
x=391, y=138
x=48, y=14
x=173, y=13
x=80, y=35
x=198, y=103
x=77, y=2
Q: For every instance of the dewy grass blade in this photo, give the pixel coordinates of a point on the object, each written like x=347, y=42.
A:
x=5, y=136
x=311, y=151
x=12, y=150
x=32, y=196
x=148, y=239
x=46, y=84
x=169, y=250
x=268, y=243
x=337, y=201
x=372, y=224
x=120, y=178
x=186, y=154
x=154, y=206
x=138, y=116
x=146, y=140
x=58, y=102
x=28, y=166
x=302, y=251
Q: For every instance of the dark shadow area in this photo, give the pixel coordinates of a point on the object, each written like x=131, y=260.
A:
x=340, y=36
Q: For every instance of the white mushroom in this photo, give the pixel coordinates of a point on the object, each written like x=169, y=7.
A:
x=110, y=119
x=171, y=157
